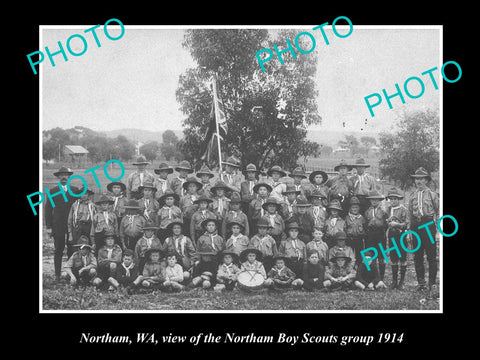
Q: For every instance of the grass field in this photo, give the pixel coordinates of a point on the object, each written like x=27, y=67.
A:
x=64, y=297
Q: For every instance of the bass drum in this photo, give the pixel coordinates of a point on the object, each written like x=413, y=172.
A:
x=250, y=281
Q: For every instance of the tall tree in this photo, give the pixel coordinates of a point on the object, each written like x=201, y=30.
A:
x=150, y=150
x=416, y=143
x=267, y=112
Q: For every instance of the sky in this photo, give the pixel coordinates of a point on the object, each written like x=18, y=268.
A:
x=131, y=82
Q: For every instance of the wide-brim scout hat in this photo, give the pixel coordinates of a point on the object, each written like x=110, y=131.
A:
x=302, y=202
x=233, y=254
x=251, y=168
x=298, y=171
x=317, y=193
x=205, y=170
x=150, y=251
x=318, y=172
x=104, y=199
x=270, y=201
x=83, y=241
x=340, y=236
x=258, y=185
x=140, y=160
x=87, y=192
x=163, y=167
x=394, y=192
x=334, y=204
x=203, y=198
x=360, y=162
x=291, y=189
x=340, y=255
x=110, y=186
x=150, y=225
x=219, y=185
x=168, y=193
x=147, y=185
x=342, y=163
x=293, y=225
x=109, y=233
x=244, y=254
x=63, y=170
x=174, y=222
x=128, y=252
x=192, y=180
x=354, y=201
x=232, y=161
x=204, y=223
x=374, y=194
x=421, y=173
x=209, y=255
x=184, y=165
x=132, y=204
x=231, y=223
x=276, y=168
x=263, y=222
x=235, y=198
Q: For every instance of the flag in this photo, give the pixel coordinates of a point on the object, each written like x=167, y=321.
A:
x=217, y=117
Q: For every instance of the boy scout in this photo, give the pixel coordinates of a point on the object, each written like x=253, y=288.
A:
x=162, y=183
x=138, y=178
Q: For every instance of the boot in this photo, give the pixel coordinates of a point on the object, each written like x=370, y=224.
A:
x=403, y=270
x=394, y=276
x=381, y=268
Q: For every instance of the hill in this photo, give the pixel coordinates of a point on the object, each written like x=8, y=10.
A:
x=332, y=137
x=143, y=136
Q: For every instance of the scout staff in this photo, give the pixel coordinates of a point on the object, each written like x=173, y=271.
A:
x=183, y=168
x=138, y=178
x=423, y=208
x=205, y=175
x=118, y=189
x=162, y=184
x=229, y=175
x=363, y=184
x=80, y=219
x=56, y=218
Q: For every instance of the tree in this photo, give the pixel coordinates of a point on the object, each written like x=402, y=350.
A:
x=353, y=144
x=367, y=143
x=169, y=137
x=53, y=140
x=267, y=112
x=416, y=143
x=123, y=148
x=150, y=150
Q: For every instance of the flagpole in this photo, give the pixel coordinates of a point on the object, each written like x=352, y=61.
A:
x=217, y=116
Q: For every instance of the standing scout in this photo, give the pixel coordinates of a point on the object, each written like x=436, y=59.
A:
x=182, y=246
x=187, y=203
x=317, y=211
x=289, y=203
x=235, y=214
x=294, y=250
x=167, y=213
x=131, y=226
x=363, y=184
x=247, y=193
x=265, y=243
x=118, y=189
x=355, y=226
x=82, y=265
x=277, y=225
x=183, y=169
x=237, y=241
x=199, y=216
x=334, y=223
x=56, y=217
x=162, y=184
x=148, y=241
x=423, y=207
x=276, y=173
x=205, y=175
x=376, y=218
x=256, y=210
x=138, y=178
x=80, y=219
x=304, y=219
x=318, y=180
x=148, y=205
x=397, y=222
x=298, y=175
x=340, y=186
x=220, y=203
x=103, y=221
x=229, y=175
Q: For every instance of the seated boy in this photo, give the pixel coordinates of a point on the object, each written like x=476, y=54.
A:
x=369, y=280
x=173, y=274
x=341, y=239
x=318, y=245
x=127, y=275
x=250, y=261
x=294, y=250
x=313, y=272
x=148, y=241
x=227, y=271
x=340, y=274
x=82, y=265
x=237, y=241
x=154, y=270
x=109, y=257
x=280, y=277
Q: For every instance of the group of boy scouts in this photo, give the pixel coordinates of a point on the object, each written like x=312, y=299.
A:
x=293, y=230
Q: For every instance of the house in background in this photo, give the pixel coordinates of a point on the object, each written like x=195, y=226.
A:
x=75, y=154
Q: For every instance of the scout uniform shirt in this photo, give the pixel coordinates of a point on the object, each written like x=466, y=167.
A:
x=236, y=216
x=346, y=249
x=103, y=221
x=183, y=248
x=237, y=244
x=288, y=209
x=256, y=209
x=312, y=187
x=174, y=273
x=266, y=245
x=322, y=248
x=161, y=185
x=210, y=242
x=339, y=185
x=118, y=205
x=278, y=188
x=398, y=214
x=334, y=225
x=144, y=244
x=126, y=275
x=335, y=271
x=354, y=225
x=256, y=266
x=423, y=203
x=167, y=214
x=155, y=270
x=187, y=205
x=137, y=179
x=276, y=222
x=80, y=212
x=220, y=206
x=149, y=208
x=319, y=215
x=283, y=274
x=197, y=218
x=131, y=226
x=107, y=255
x=294, y=249
x=302, y=187
x=232, y=180
x=246, y=191
x=225, y=271
x=77, y=261
x=375, y=218
x=363, y=184
x=205, y=190
x=177, y=185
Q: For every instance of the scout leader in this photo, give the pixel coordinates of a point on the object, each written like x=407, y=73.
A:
x=423, y=208
x=363, y=184
x=80, y=219
x=162, y=184
x=340, y=186
x=184, y=168
x=138, y=178
x=56, y=218
x=229, y=176
x=118, y=189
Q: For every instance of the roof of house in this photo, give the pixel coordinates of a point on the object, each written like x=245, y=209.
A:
x=76, y=149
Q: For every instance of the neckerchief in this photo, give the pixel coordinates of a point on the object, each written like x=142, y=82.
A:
x=220, y=205
x=169, y=211
x=149, y=241
x=272, y=219
x=105, y=216
x=394, y=208
x=109, y=253
x=316, y=211
x=278, y=270
x=127, y=269
x=420, y=202
x=228, y=268
x=234, y=239
x=130, y=219
x=354, y=217
x=180, y=244
x=251, y=184
x=163, y=182
x=333, y=221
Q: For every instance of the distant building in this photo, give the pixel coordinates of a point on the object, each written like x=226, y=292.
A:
x=75, y=154
x=341, y=152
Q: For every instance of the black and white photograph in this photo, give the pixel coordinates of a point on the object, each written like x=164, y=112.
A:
x=232, y=169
